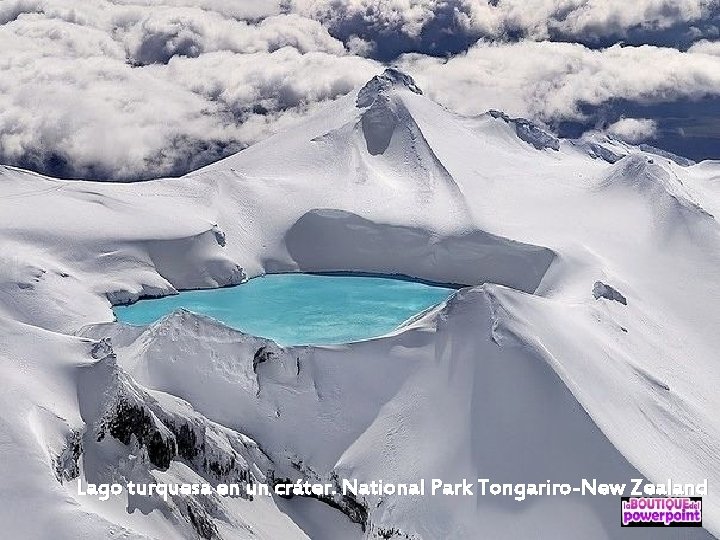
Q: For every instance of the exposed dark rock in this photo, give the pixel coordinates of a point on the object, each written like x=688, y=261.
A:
x=130, y=419
x=602, y=290
x=387, y=534
x=219, y=236
x=529, y=132
x=379, y=84
x=356, y=511
x=66, y=465
x=102, y=348
x=599, y=151
x=227, y=469
x=204, y=457
x=186, y=440
x=201, y=522
x=262, y=355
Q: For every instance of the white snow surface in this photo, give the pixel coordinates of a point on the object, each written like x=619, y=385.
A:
x=522, y=376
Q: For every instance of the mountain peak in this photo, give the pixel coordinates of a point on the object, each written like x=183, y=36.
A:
x=389, y=79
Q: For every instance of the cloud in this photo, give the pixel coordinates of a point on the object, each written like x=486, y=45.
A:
x=406, y=16
x=129, y=89
x=156, y=37
x=550, y=81
x=133, y=91
x=542, y=19
x=633, y=130
x=434, y=26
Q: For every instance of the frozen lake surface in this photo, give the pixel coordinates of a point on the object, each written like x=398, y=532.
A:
x=301, y=309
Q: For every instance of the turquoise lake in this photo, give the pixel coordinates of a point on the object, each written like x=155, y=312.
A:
x=301, y=309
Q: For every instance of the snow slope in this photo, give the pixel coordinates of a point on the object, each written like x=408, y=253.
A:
x=523, y=376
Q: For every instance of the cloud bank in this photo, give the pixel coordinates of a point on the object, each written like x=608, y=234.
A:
x=133, y=89
x=580, y=19
x=551, y=81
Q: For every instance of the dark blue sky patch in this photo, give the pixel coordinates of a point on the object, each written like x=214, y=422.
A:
x=689, y=128
x=442, y=35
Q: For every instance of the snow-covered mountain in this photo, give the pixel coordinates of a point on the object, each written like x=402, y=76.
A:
x=584, y=345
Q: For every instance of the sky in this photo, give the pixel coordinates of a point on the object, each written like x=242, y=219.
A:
x=138, y=89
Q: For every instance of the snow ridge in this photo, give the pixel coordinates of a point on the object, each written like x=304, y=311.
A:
x=529, y=132
x=381, y=84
